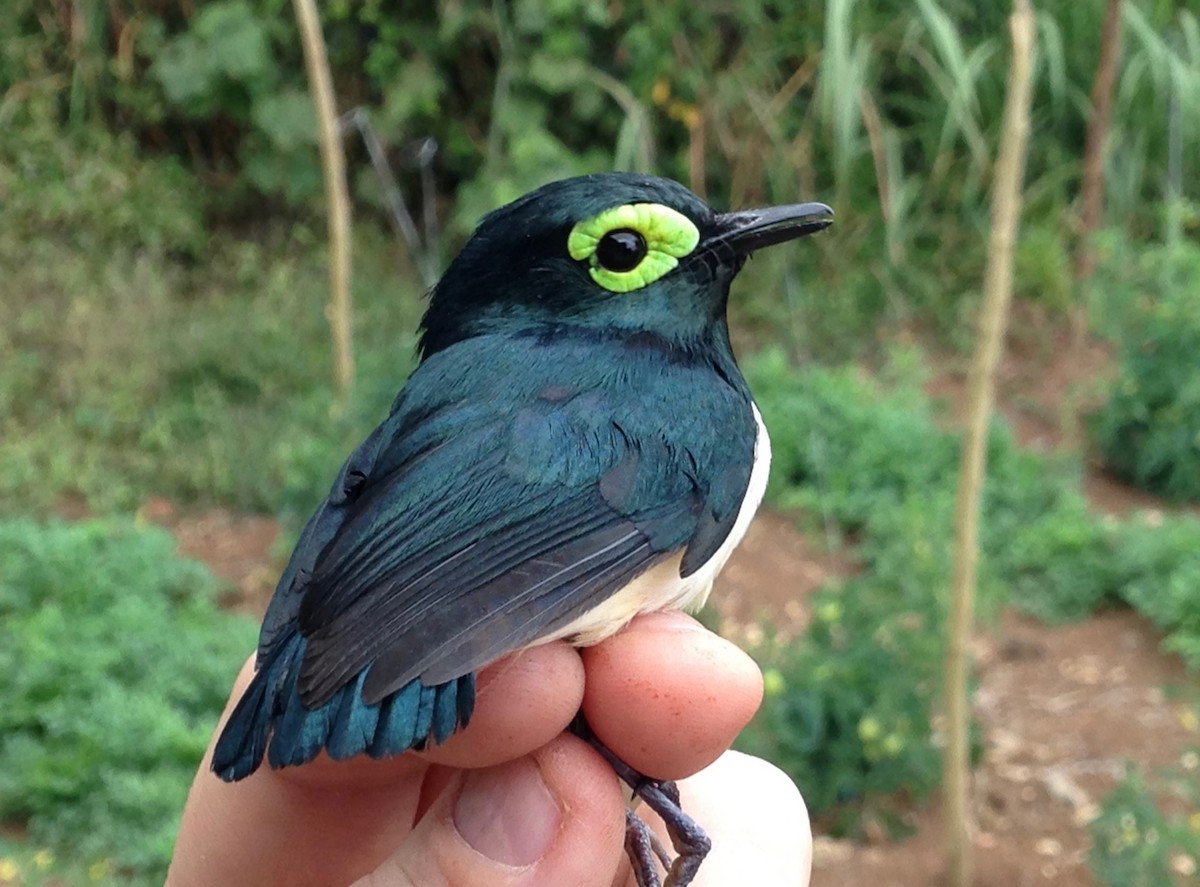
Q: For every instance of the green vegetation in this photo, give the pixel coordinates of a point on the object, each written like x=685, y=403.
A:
x=130, y=372
x=1139, y=843
x=849, y=703
x=886, y=111
x=113, y=661
x=1149, y=430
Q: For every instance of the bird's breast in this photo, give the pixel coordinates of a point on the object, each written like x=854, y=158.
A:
x=661, y=587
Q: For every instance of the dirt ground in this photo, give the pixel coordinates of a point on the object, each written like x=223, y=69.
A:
x=1062, y=707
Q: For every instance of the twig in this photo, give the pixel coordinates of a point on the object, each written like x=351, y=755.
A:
x=997, y=293
x=1091, y=191
x=401, y=218
x=426, y=152
x=337, y=197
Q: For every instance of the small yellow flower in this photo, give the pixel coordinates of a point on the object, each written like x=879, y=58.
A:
x=9, y=870
x=869, y=729
x=683, y=112
x=774, y=683
x=661, y=91
x=1130, y=837
x=1189, y=720
x=893, y=744
x=43, y=859
x=830, y=611
x=1194, y=822
x=100, y=871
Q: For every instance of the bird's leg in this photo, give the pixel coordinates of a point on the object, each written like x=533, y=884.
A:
x=642, y=846
x=662, y=796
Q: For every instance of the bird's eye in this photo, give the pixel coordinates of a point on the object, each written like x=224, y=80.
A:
x=631, y=246
x=621, y=250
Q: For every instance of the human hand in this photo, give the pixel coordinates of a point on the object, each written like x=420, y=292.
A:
x=512, y=801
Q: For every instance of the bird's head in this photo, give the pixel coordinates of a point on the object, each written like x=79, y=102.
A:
x=606, y=252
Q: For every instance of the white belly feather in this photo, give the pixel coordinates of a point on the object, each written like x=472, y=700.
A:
x=661, y=587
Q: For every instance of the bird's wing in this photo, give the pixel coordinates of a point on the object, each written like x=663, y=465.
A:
x=480, y=529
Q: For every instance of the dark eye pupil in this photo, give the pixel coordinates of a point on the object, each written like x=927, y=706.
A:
x=621, y=250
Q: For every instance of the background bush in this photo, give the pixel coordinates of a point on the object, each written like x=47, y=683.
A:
x=1148, y=832
x=114, y=663
x=888, y=112
x=849, y=703
x=1148, y=431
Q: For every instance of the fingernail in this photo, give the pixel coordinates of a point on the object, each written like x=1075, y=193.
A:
x=507, y=813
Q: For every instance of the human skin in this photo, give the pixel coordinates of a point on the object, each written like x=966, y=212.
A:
x=511, y=800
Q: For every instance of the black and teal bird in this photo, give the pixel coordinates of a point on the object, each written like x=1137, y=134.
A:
x=576, y=446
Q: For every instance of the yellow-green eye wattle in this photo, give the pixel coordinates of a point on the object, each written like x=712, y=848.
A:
x=631, y=246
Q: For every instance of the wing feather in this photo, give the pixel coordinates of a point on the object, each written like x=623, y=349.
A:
x=475, y=528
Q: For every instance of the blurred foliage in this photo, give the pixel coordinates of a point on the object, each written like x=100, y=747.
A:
x=114, y=664
x=849, y=704
x=1149, y=430
x=91, y=191
x=1148, y=831
x=1157, y=571
x=886, y=111
x=116, y=388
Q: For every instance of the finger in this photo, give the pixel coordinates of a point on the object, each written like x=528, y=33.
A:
x=337, y=820
x=555, y=817
x=276, y=823
x=667, y=696
x=756, y=819
x=523, y=702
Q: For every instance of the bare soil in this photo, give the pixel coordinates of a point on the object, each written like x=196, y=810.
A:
x=1062, y=707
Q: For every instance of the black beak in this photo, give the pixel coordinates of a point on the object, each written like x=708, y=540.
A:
x=751, y=229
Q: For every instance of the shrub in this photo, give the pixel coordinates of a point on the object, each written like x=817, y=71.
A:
x=1149, y=430
x=1138, y=841
x=1158, y=574
x=114, y=664
x=846, y=707
x=128, y=376
x=91, y=191
x=849, y=703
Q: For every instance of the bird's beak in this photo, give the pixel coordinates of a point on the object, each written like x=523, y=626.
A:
x=751, y=229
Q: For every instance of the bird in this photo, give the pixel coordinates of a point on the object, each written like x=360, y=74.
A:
x=575, y=446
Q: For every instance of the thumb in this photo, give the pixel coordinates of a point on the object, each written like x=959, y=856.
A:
x=553, y=817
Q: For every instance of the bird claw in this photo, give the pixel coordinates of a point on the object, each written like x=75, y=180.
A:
x=641, y=844
x=687, y=837
x=642, y=847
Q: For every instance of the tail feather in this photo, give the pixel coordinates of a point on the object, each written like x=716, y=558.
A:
x=354, y=727
x=424, y=717
x=445, y=712
x=244, y=739
x=271, y=719
x=298, y=735
x=396, y=731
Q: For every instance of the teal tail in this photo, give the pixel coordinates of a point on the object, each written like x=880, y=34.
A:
x=270, y=718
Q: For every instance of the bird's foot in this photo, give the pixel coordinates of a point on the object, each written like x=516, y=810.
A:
x=643, y=847
x=641, y=844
